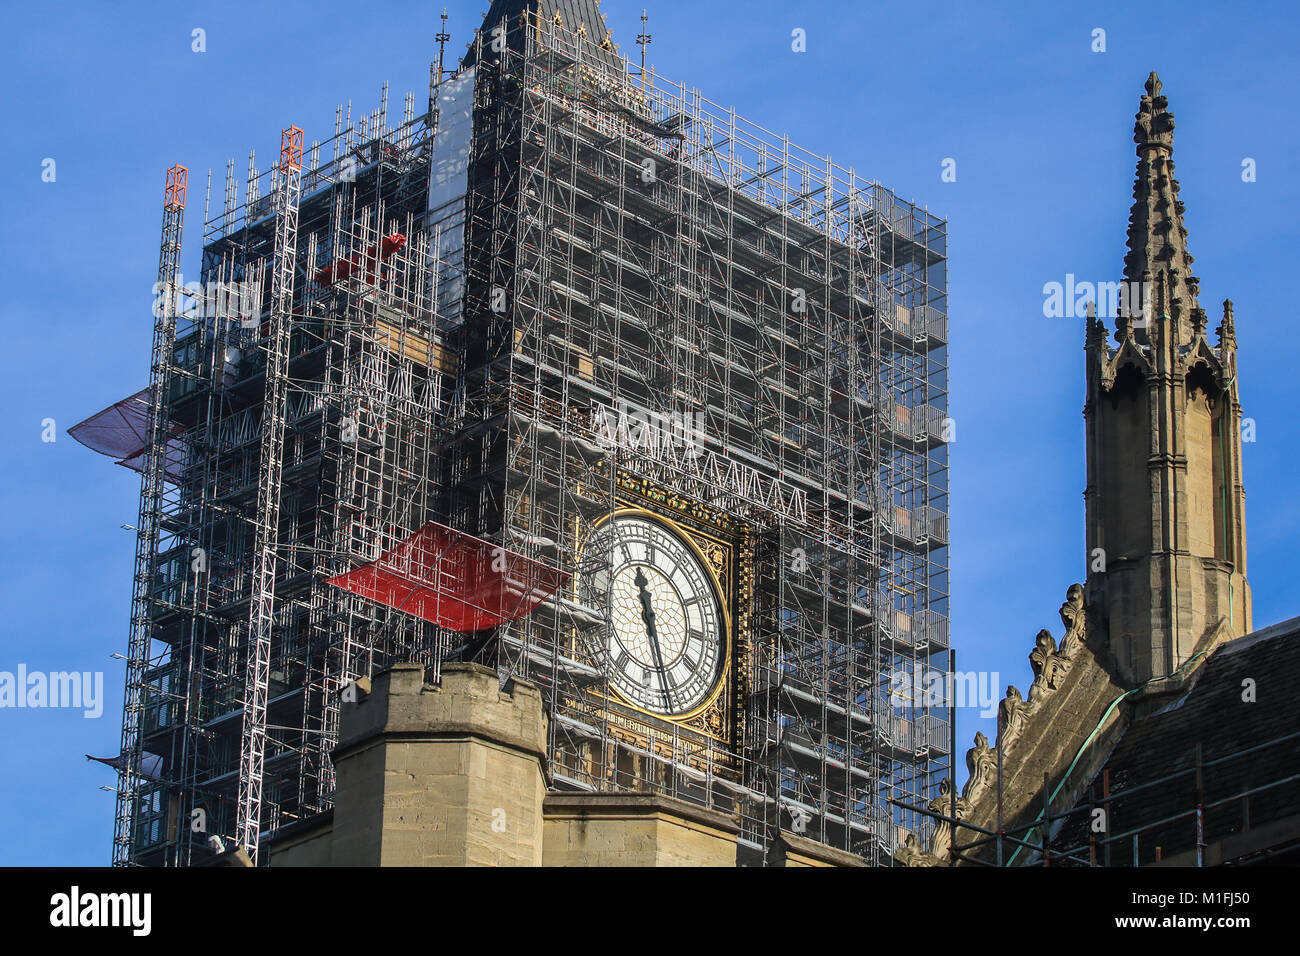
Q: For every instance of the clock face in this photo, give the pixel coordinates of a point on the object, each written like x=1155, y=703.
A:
x=664, y=648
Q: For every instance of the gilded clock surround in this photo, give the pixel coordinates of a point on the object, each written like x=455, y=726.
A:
x=725, y=549
x=714, y=559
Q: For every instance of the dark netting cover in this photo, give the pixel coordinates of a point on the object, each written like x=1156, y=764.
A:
x=121, y=431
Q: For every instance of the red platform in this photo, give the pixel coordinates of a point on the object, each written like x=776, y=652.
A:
x=454, y=580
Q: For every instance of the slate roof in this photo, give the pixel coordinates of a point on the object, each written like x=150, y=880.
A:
x=574, y=14
x=1239, y=752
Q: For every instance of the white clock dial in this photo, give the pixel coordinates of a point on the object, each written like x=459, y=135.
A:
x=664, y=648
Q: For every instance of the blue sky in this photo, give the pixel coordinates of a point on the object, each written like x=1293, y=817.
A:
x=1040, y=128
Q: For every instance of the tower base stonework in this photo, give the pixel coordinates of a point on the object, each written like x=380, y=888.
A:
x=447, y=775
x=634, y=829
x=456, y=775
x=1156, y=625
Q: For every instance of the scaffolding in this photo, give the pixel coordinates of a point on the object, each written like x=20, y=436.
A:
x=444, y=314
x=1172, y=818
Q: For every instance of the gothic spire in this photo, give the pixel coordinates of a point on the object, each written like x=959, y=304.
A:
x=1157, y=238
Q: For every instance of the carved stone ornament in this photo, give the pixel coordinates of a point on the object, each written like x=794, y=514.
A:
x=1075, y=619
x=1044, y=649
x=1050, y=663
x=982, y=762
x=911, y=854
x=1049, y=666
x=1013, y=712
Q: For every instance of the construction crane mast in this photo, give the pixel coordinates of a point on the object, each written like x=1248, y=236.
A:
x=261, y=613
x=153, y=474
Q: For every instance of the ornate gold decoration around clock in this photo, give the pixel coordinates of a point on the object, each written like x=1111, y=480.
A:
x=725, y=545
x=697, y=717
x=668, y=499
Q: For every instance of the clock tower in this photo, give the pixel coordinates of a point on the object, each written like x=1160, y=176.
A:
x=715, y=412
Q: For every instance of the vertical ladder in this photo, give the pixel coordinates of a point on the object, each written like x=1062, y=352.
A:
x=257, y=671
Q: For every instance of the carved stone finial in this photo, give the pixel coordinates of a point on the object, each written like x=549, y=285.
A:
x=943, y=802
x=911, y=853
x=1227, y=327
x=1072, y=610
x=1097, y=333
x=1013, y=712
x=1199, y=322
x=982, y=763
x=1049, y=666
x=1044, y=647
x=1154, y=123
x=1074, y=617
